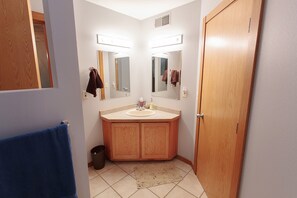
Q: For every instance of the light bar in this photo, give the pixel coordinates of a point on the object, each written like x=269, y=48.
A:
x=172, y=40
x=108, y=40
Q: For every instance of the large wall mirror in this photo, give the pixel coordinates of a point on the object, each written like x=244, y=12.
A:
x=114, y=71
x=24, y=58
x=166, y=74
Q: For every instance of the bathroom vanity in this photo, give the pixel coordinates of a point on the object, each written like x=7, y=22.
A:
x=140, y=136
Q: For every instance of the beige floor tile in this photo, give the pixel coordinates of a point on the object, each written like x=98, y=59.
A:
x=204, y=195
x=144, y=193
x=182, y=173
x=97, y=185
x=192, y=171
x=162, y=190
x=192, y=185
x=108, y=193
x=178, y=192
x=128, y=167
x=182, y=165
x=92, y=173
x=125, y=187
x=113, y=175
x=108, y=165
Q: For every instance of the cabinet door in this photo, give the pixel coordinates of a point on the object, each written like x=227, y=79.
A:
x=154, y=140
x=125, y=141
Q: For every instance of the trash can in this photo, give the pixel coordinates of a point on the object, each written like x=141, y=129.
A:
x=98, y=157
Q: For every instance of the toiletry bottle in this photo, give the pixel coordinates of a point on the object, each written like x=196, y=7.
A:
x=151, y=104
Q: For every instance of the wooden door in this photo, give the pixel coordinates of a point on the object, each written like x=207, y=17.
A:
x=154, y=140
x=125, y=141
x=228, y=55
x=18, y=59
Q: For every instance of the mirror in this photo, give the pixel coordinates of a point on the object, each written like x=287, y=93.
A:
x=114, y=71
x=24, y=61
x=166, y=74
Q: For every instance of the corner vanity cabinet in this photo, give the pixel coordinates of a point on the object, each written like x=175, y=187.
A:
x=136, y=139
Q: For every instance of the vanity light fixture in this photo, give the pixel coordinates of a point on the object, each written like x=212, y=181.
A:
x=108, y=40
x=172, y=40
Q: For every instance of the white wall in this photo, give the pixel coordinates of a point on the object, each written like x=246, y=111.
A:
x=37, y=5
x=270, y=164
x=270, y=167
x=30, y=110
x=92, y=20
x=185, y=20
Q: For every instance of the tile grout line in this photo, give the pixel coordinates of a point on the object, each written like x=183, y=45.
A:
x=187, y=190
x=202, y=194
x=170, y=190
x=153, y=192
x=109, y=186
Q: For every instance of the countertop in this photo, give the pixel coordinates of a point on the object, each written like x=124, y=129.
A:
x=119, y=114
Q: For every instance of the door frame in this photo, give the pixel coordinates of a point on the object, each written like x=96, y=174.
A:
x=255, y=29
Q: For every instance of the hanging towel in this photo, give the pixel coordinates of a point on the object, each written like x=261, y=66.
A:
x=174, y=77
x=37, y=165
x=165, y=74
x=94, y=82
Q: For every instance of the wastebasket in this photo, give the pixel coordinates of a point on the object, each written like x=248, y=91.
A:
x=98, y=157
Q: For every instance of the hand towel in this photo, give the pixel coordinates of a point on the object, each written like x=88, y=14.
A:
x=94, y=82
x=174, y=77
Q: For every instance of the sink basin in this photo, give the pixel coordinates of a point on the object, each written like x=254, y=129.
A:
x=143, y=113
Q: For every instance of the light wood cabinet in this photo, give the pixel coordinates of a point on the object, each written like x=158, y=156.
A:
x=125, y=138
x=154, y=140
x=140, y=140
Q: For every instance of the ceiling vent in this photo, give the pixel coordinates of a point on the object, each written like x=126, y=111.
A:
x=162, y=21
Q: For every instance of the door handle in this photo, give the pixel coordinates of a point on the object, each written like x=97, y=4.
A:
x=201, y=115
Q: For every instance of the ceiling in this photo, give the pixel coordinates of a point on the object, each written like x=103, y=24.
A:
x=140, y=9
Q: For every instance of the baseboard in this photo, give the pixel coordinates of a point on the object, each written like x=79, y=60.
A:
x=181, y=158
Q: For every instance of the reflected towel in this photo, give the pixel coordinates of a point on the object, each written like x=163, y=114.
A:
x=37, y=165
x=174, y=77
x=94, y=82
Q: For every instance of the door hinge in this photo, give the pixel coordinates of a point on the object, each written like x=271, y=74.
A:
x=250, y=23
x=237, y=128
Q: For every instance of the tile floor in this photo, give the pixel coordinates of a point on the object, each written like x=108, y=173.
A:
x=117, y=180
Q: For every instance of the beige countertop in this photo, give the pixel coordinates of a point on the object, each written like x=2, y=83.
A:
x=120, y=114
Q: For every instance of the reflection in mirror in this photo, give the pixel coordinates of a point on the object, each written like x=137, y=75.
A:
x=166, y=74
x=114, y=70
x=24, y=57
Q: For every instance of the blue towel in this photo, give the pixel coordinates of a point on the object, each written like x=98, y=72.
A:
x=37, y=165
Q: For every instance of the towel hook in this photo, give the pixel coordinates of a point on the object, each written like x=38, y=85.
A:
x=66, y=122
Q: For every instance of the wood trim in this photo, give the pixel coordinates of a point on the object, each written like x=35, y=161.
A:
x=117, y=75
x=101, y=72
x=224, y=4
x=183, y=159
x=256, y=19
x=48, y=58
x=202, y=47
x=38, y=17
